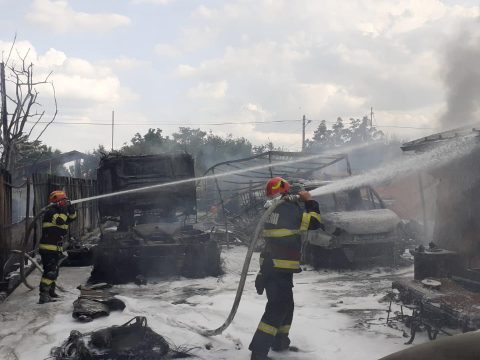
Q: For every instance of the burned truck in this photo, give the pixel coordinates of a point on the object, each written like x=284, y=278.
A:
x=155, y=233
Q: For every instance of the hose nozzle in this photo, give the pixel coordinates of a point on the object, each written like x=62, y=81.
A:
x=291, y=198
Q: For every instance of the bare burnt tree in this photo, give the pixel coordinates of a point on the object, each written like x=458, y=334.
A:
x=21, y=111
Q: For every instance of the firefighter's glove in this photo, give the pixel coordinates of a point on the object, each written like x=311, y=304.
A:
x=304, y=196
x=70, y=208
x=260, y=283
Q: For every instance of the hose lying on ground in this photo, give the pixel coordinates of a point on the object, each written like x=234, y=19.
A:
x=36, y=264
x=246, y=265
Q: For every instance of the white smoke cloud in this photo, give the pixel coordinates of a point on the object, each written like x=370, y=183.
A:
x=462, y=77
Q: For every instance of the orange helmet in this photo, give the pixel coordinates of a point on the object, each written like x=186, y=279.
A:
x=57, y=197
x=276, y=185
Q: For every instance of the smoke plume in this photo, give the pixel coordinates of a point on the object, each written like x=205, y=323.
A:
x=462, y=77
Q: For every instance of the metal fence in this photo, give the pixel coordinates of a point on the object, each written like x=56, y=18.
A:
x=18, y=205
x=5, y=217
x=75, y=188
x=21, y=198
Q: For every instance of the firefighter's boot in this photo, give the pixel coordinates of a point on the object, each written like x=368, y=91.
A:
x=259, y=356
x=45, y=294
x=52, y=292
x=45, y=298
x=281, y=343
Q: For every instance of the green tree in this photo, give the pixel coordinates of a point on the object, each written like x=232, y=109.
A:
x=153, y=142
x=206, y=148
x=357, y=132
x=31, y=152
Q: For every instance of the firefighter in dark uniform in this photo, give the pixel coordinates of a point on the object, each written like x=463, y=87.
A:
x=279, y=260
x=54, y=228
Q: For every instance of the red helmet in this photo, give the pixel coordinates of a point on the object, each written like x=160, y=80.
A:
x=58, y=197
x=276, y=185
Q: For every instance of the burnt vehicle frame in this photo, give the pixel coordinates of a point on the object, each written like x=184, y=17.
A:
x=359, y=230
x=156, y=235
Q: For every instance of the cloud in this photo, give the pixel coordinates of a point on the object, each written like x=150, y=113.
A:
x=213, y=91
x=257, y=111
x=124, y=63
x=190, y=40
x=83, y=89
x=204, y=12
x=337, y=59
x=58, y=16
x=154, y=2
x=167, y=50
x=185, y=71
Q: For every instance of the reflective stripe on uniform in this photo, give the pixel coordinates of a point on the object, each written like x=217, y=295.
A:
x=46, y=281
x=51, y=224
x=306, y=217
x=279, y=232
x=268, y=329
x=72, y=216
x=284, y=329
x=50, y=247
x=286, y=264
x=64, y=217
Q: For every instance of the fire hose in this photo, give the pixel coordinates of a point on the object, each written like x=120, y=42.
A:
x=246, y=265
x=243, y=276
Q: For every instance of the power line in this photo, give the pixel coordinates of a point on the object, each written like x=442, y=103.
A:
x=217, y=124
x=164, y=124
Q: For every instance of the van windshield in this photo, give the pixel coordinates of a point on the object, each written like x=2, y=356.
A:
x=364, y=198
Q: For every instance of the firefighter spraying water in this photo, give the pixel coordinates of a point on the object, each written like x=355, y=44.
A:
x=279, y=260
x=56, y=219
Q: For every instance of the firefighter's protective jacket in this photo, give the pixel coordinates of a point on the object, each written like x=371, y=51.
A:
x=282, y=235
x=55, y=226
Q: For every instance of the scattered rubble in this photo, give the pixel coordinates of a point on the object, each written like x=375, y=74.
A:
x=132, y=340
x=94, y=302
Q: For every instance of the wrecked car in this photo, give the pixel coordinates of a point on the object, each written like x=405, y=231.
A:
x=156, y=232
x=359, y=230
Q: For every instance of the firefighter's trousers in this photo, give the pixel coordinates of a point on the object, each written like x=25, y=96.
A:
x=50, y=260
x=275, y=323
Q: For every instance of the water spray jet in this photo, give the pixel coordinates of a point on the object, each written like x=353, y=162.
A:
x=434, y=158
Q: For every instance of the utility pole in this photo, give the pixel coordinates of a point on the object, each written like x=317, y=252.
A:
x=303, y=133
x=113, y=125
x=371, y=116
x=304, y=125
x=3, y=110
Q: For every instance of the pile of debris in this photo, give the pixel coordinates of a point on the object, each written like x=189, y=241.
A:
x=95, y=301
x=132, y=340
x=443, y=297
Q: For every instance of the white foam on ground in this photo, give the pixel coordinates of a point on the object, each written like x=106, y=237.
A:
x=330, y=310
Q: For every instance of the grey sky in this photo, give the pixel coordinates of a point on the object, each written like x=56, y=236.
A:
x=194, y=62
